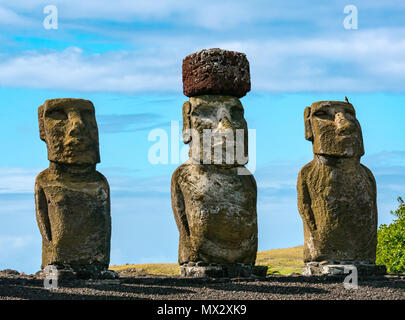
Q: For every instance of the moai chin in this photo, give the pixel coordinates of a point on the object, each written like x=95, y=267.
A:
x=72, y=198
x=213, y=199
x=337, y=194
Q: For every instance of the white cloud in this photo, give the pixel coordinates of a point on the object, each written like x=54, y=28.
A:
x=364, y=61
x=17, y=180
x=72, y=70
x=8, y=243
x=211, y=14
x=386, y=159
x=10, y=18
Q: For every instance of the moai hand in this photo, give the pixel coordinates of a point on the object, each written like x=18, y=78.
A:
x=72, y=198
x=214, y=206
x=336, y=193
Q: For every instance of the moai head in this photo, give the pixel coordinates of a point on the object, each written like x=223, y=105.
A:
x=213, y=118
x=69, y=128
x=213, y=123
x=334, y=130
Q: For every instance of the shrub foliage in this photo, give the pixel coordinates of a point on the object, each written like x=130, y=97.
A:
x=391, y=242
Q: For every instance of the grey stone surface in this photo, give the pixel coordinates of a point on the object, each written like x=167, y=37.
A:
x=343, y=268
x=223, y=271
x=213, y=204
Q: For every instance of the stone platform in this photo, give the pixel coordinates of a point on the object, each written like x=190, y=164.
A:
x=68, y=273
x=203, y=270
x=342, y=268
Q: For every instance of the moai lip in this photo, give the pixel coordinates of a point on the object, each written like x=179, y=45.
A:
x=72, y=198
x=214, y=206
x=336, y=193
x=216, y=71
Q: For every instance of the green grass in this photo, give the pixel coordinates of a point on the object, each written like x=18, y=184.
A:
x=167, y=269
x=280, y=261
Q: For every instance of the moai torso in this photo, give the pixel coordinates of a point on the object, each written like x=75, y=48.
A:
x=217, y=215
x=74, y=217
x=72, y=198
x=337, y=194
x=340, y=212
x=213, y=196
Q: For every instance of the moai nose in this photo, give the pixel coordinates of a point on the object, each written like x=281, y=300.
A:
x=224, y=119
x=76, y=122
x=343, y=125
x=225, y=124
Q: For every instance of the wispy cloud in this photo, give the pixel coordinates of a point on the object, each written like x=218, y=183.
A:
x=115, y=123
x=212, y=15
x=364, y=61
x=387, y=159
x=72, y=70
x=291, y=46
x=14, y=242
x=17, y=180
x=10, y=18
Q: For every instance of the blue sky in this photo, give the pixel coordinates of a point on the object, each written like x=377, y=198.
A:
x=126, y=57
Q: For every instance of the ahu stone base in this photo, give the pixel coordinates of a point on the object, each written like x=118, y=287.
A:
x=342, y=268
x=68, y=273
x=205, y=270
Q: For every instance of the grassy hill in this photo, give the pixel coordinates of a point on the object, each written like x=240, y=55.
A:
x=280, y=261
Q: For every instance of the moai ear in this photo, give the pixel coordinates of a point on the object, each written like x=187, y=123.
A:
x=186, y=122
x=308, y=128
x=41, y=122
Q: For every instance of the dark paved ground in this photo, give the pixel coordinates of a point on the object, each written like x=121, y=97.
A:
x=142, y=286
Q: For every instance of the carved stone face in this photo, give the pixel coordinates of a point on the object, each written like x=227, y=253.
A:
x=69, y=128
x=222, y=117
x=333, y=128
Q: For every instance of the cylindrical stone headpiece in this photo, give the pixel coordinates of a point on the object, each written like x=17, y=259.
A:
x=216, y=71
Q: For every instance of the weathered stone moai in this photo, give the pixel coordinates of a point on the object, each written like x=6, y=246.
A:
x=72, y=198
x=337, y=194
x=213, y=194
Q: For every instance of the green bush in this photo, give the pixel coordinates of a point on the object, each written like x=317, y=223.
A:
x=391, y=242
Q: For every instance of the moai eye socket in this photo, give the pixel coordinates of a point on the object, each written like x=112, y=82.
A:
x=202, y=112
x=87, y=115
x=322, y=114
x=236, y=113
x=57, y=114
x=351, y=113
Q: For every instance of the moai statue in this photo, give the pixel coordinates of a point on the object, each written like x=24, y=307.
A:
x=337, y=194
x=72, y=198
x=213, y=194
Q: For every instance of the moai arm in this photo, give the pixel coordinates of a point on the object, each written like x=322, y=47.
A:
x=178, y=206
x=304, y=203
x=108, y=222
x=41, y=205
x=374, y=190
x=254, y=184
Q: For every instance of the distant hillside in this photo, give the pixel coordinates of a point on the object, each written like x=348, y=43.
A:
x=280, y=261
